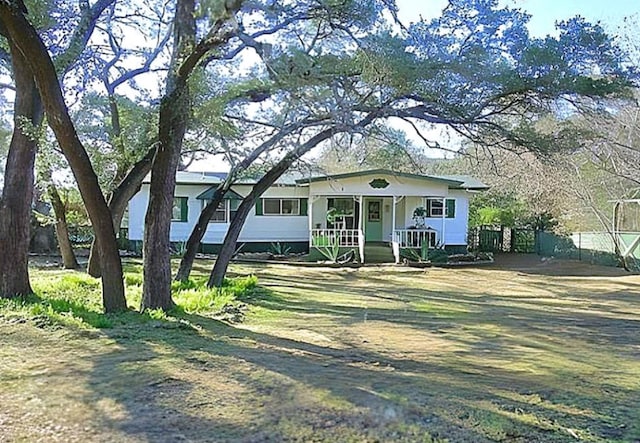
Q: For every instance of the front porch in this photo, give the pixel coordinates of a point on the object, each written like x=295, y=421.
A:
x=367, y=224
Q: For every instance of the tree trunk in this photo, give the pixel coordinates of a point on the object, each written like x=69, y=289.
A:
x=17, y=195
x=118, y=201
x=25, y=37
x=186, y=263
x=230, y=240
x=229, y=246
x=156, y=291
x=174, y=115
x=69, y=260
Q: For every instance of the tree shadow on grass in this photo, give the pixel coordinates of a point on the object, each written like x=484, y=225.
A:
x=140, y=389
x=531, y=325
x=380, y=396
x=569, y=337
x=192, y=378
x=288, y=379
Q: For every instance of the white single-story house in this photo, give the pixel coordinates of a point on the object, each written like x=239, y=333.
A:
x=376, y=207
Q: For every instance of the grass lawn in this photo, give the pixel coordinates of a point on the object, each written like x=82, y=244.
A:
x=522, y=351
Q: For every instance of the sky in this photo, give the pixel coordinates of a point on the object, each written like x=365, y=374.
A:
x=544, y=13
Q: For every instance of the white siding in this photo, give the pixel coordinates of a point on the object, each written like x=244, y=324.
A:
x=180, y=231
x=411, y=203
x=256, y=228
x=401, y=214
x=387, y=215
x=318, y=212
x=273, y=228
x=137, y=211
x=456, y=228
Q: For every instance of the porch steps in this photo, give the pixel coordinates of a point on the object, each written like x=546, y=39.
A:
x=378, y=252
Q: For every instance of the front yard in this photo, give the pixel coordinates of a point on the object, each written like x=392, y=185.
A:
x=520, y=351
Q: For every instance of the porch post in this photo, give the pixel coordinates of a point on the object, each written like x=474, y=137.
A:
x=360, y=233
x=393, y=218
x=360, y=212
x=310, y=216
x=394, y=245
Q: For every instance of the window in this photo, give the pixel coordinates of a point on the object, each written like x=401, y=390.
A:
x=346, y=208
x=435, y=208
x=290, y=207
x=272, y=206
x=343, y=205
x=220, y=216
x=373, y=211
x=179, y=211
x=226, y=212
x=281, y=206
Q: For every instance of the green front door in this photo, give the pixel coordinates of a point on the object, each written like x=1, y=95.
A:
x=373, y=220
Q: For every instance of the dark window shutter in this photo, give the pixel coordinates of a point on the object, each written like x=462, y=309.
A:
x=304, y=203
x=451, y=208
x=428, y=208
x=184, y=209
x=259, y=210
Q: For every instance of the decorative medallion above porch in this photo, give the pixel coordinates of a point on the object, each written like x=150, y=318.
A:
x=378, y=183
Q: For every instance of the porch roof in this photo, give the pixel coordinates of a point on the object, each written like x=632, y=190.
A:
x=453, y=182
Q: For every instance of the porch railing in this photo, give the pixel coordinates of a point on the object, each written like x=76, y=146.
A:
x=413, y=238
x=332, y=237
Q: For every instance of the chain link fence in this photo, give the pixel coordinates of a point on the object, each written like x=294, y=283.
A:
x=593, y=247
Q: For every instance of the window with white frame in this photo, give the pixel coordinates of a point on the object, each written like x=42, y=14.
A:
x=225, y=212
x=436, y=207
x=220, y=216
x=281, y=206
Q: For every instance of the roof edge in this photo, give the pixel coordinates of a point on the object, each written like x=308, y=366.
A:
x=451, y=182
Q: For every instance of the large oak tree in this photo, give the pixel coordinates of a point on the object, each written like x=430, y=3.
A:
x=25, y=38
x=15, y=206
